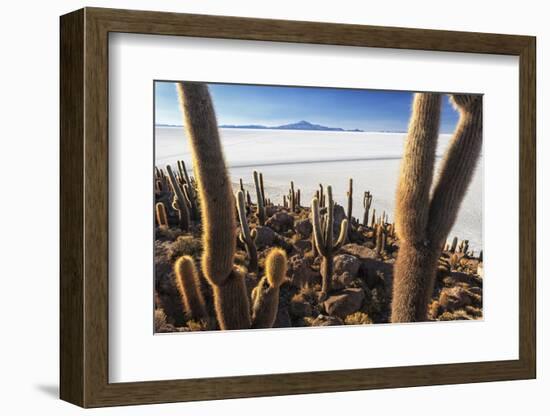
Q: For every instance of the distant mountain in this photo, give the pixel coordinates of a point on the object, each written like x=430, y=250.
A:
x=300, y=125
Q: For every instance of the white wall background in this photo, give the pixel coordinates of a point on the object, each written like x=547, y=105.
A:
x=29, y=159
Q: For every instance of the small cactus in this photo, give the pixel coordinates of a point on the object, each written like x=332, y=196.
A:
x=260, y=199
x=188, y=284
x=265, y=296
x=350, y=205
x=162, y=218
x=246, y=236
x=322, y=232
x=367, y=201
x=180, y=202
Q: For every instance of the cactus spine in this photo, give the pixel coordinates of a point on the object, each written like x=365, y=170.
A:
x=260, y=199
x=322, y=232
x=189, y=288
x=162, y=219
x=217, y=207
x=246, y=236
x=423, y=222
x=266, y=295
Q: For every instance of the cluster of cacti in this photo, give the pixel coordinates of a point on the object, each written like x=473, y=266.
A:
x=245, y=291
x=231, y=301
x=425, y=217
x=260, y=198
x=324, y=240
x=367, y=201
x=246, y=236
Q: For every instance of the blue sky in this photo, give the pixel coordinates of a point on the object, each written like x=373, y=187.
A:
x=368, y=110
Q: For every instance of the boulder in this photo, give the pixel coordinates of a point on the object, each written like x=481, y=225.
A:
x=323, y=320
x=280, y=221
x=345, y=303
x=300, y=307
x=454, y=298
x=303, y=228
x=265, y=237
x=360, y=251
x=300, y=272
x=346, y=263
x=341, y=281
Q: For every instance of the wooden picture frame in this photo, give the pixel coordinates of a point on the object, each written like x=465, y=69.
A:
x=84, y=207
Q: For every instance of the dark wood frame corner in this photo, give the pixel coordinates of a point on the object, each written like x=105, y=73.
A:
x=84, y=209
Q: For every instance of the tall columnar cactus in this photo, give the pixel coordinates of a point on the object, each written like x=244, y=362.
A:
x=246, y=236
x=423, y=221
x=321, y=196
x=265, y=296
x=367, y=201
x=180, y=202
x=350, y=204
x=217, y=207
x=162, y=218
x=260, y=199
x=322, y=232
x=189, y=288
x=262, y=190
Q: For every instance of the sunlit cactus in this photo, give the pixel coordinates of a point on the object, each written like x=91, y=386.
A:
x=246, y=236
x=423, y=216
x=323, y=238
x=217, y=207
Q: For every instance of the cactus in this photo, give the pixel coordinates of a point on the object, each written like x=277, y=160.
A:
x=321, y=196
x=246, y=236
x=217, y=207
x=373, y=219
x=264, y=199
x=423, y=221
x=189, y=288
x=367, y=201
x=292, y=197
x=162, y=218
x=266, y=294
x=380, y=239
x=180, y=202
x=260, y=200
x=350, y=205
x=452, y=249
x=322, y=232
x=190, y=191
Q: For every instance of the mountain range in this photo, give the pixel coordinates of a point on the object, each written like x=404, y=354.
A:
x=300, y=125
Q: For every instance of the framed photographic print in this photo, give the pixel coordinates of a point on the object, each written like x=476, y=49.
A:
x=259, y=207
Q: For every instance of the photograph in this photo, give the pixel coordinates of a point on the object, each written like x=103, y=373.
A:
x=292, y=206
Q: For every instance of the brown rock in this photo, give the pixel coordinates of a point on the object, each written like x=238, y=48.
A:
x=345, y=303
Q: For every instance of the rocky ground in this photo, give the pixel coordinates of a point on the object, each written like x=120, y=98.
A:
x=361, y=283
